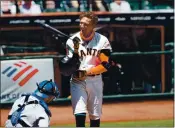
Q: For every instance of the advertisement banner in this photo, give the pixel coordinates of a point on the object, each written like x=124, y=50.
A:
x=20, y=76
x=145, y=17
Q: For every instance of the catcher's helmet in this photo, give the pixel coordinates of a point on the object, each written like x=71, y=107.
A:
x=47, y=88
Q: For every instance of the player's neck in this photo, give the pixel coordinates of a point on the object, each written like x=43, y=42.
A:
x=88, y=36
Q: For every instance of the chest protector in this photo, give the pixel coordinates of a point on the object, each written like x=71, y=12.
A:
x=16, y=115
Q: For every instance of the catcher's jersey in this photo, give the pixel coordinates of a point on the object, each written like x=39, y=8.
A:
x=89, y=51
x=30, y=114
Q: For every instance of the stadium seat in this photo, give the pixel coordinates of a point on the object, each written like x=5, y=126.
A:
x=134, y=4
x=162, y=7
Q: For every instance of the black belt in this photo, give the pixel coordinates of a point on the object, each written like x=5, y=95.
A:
x=94, y=75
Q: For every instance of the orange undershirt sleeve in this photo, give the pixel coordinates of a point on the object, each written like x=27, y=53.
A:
x=99, y=68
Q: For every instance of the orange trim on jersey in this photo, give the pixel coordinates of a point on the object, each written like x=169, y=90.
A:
x=87, y=38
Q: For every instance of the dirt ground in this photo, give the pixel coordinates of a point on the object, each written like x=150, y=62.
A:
x=114, y=112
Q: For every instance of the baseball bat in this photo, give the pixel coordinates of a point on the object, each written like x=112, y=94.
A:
x=76, y=40
x=53, y=30
x=56, y=31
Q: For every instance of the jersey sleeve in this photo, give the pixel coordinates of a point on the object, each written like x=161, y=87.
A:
x=107, y=45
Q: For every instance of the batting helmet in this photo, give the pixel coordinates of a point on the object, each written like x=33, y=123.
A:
x=47, y=88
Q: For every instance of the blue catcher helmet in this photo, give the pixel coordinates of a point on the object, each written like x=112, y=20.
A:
x=47, y=88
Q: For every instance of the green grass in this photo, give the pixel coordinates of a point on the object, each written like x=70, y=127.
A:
x=152, y=123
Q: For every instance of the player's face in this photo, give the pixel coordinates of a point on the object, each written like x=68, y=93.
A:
x=86, y=25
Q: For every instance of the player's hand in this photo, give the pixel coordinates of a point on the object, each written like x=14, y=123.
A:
x=76, y=42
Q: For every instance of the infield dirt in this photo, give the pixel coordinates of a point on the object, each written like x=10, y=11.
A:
x=113, y=112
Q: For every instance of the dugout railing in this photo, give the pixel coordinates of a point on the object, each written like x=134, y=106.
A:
x=107, y=98
x=114, y=56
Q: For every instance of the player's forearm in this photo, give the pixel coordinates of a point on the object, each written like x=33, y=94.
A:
x=101, y=68
x=96, y=70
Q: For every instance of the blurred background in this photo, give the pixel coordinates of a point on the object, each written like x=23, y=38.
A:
x=141, y=33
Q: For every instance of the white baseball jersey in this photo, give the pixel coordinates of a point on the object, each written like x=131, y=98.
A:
x=88, y=51
x=30, y=114
x=87, y=95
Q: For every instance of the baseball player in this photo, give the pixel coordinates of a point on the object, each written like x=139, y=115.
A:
x=86, y=83
x=32, y=110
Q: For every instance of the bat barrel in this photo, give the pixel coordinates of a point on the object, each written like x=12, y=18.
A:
x=53, y=30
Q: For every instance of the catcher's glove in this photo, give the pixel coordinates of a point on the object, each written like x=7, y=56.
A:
x=80, y=75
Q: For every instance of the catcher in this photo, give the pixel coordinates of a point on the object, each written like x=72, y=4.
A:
x=32, y=110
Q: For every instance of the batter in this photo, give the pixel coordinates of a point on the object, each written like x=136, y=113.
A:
x=94, y=51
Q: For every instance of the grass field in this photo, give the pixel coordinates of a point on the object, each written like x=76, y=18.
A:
x=152, y=123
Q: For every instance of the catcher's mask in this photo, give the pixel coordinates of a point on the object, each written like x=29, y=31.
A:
x=47, y=88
